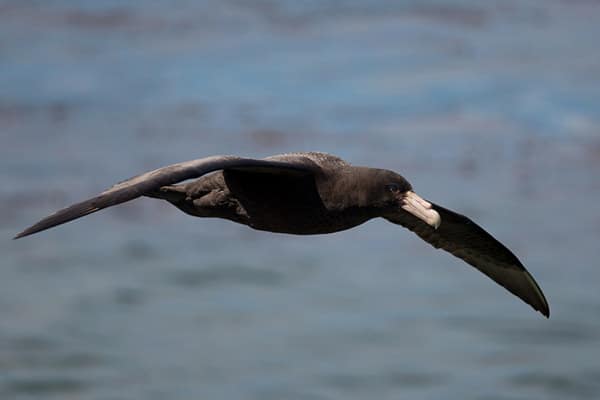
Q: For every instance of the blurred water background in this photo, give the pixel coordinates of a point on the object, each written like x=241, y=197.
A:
x=489, y=108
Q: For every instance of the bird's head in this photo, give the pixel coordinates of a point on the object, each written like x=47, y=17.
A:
x=394, y=194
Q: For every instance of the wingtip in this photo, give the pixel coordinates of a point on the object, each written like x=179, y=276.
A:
x=546, y=312
x=26, y=232
x=539, y=303
x=542, y=307
x=20, y=235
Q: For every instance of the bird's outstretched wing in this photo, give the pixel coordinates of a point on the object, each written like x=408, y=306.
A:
x=138, y=185
x=465, y=239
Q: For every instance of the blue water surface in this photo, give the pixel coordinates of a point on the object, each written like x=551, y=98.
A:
x=489, y=108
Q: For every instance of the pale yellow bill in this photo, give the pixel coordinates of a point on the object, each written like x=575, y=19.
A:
x=421, y=209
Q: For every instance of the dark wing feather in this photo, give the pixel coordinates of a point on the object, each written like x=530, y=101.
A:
x=149, y=181
x=465, y=239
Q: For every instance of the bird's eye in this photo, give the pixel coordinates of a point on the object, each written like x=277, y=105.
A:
x=392, y=187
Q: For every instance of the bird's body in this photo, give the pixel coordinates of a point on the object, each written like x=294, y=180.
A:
x=312, y=193
x=292, y=202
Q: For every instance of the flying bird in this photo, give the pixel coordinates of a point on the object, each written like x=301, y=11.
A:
x=312, y=193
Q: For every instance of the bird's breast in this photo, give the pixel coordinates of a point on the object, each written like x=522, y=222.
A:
x=287, y=204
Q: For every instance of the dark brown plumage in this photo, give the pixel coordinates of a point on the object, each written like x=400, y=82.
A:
x=312, y=193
